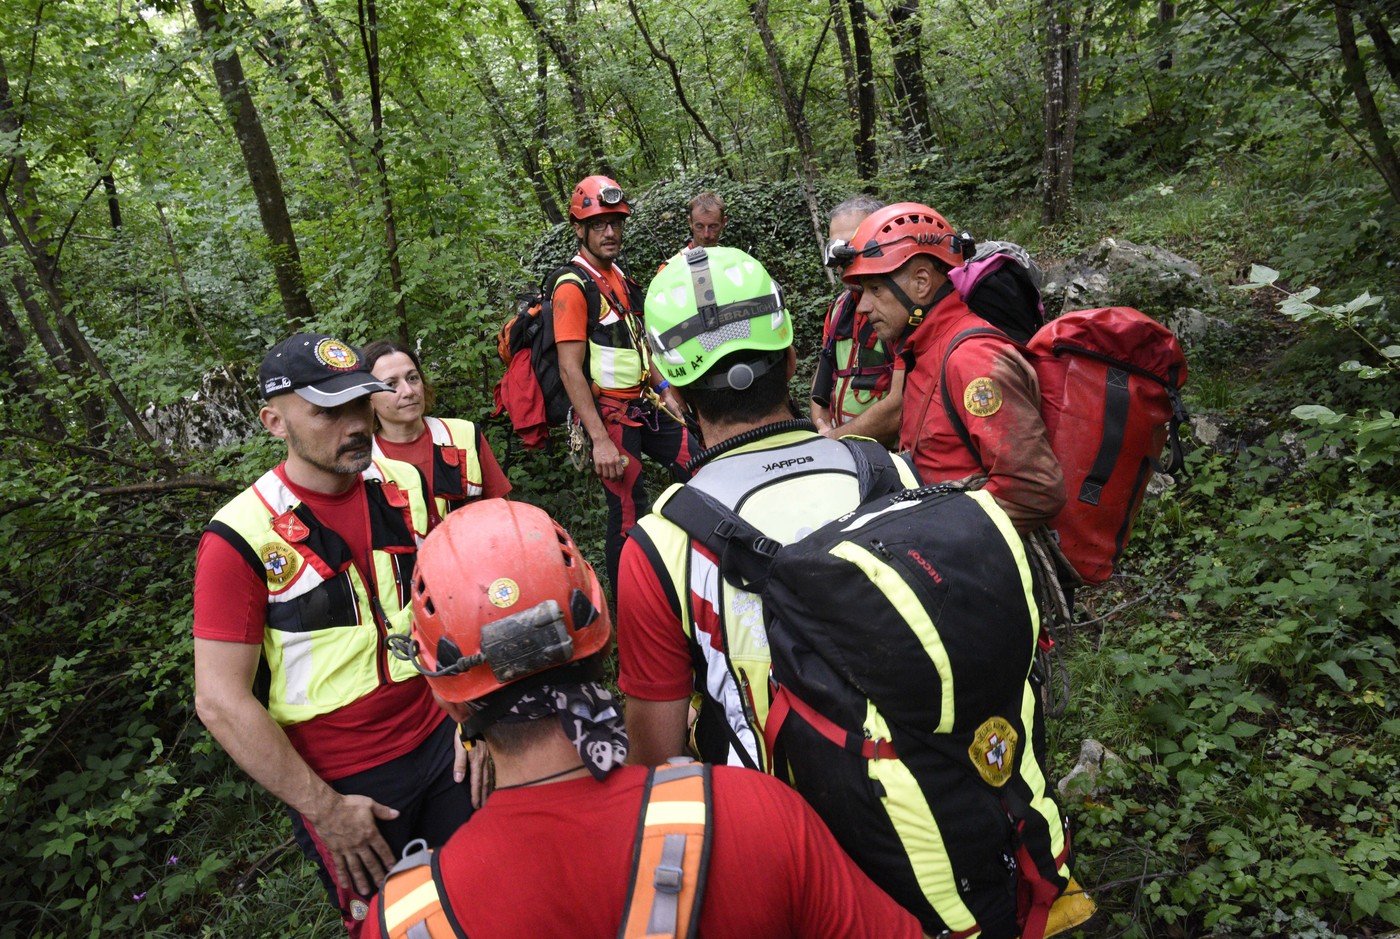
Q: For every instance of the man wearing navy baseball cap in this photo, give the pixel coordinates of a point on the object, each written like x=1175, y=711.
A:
x=297, y=581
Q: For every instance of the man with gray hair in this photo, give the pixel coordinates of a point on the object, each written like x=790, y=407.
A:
x=707, y=220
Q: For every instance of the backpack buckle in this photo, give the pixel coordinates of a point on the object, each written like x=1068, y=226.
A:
x=766, y=547
x=668, y=878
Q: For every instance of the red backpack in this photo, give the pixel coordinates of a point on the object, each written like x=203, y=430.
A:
x=1110, y=383
x=531, y=391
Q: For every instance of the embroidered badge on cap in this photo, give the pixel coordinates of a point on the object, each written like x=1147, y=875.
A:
x=982, y=397
x=503, y=592
x=335, y=354
x=280, y=564
x=993, y=750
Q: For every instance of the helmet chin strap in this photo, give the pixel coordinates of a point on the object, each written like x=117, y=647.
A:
x=915, y=311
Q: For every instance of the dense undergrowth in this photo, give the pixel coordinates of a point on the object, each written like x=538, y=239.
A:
x=1243, y=666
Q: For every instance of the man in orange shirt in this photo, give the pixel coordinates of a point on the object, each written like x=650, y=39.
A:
x=605, y=365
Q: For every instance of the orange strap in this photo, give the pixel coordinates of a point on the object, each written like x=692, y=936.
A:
x=670, y=855
x=413, y=902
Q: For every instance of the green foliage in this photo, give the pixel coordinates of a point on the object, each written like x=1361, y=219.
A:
x=1254, y=700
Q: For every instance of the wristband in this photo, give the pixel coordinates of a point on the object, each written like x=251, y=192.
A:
x=662, y=385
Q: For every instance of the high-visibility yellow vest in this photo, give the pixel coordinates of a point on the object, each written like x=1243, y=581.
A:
x=456, y=465
x=326, y=620
x=617, y=356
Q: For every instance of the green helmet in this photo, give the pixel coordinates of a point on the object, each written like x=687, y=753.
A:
x=707, y=303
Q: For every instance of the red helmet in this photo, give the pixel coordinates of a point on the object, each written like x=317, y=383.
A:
x=889, y=237
x=500, y=593
x=597, y=195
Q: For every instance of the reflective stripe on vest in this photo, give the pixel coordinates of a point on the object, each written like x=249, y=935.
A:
x=323, y=641
x=848, y=401
x=786, y=486
x=616, y=356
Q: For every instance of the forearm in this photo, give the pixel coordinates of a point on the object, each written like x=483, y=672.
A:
x=880, y=422
x=259, y=746
x=580, y=392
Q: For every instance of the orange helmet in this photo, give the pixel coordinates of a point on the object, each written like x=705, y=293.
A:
x=889, y=237
x=597, y=195
x=500, y=593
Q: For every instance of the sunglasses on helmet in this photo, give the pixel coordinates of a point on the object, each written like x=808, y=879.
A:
x=837, y=253
x=611, y=195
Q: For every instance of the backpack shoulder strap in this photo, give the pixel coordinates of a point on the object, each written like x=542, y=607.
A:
x=572, y=273
x=670, y=854
x=744, y=552
x=413, y=901
x=843, y=324
x=948, y=408
x=876, y=472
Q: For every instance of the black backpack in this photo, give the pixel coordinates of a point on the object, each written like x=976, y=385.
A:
x=902, y=638
x=531, y=392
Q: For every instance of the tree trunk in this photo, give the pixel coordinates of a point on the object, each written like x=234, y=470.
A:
x=22, y=371
x=669, y=61
x=848, y=60
x=867, y=162
x=1061, y=66
x=1384, y=158
x=543, y=130
x=588, y=129
x=369, y=39
x=64, y=350
x=261, y=166
x=758, y=9
x=1166, y=12
x=906, y=40
x=503, y=123
x=1385, y=46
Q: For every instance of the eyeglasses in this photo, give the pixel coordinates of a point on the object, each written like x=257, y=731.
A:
x=603, y=224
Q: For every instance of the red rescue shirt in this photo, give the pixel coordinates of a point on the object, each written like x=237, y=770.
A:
x=995, y=392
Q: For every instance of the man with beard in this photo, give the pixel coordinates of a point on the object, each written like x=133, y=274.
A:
x=298, y=580
x=621, y=405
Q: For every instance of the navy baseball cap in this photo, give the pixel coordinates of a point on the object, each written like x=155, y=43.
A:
x=320, y=368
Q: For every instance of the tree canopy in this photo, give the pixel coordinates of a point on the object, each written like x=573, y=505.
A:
x=185, y=182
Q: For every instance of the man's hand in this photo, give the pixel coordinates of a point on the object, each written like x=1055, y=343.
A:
x=483, y=774
x=348, y=828
x=608, y=460
x=475, y=759
x=672, y=403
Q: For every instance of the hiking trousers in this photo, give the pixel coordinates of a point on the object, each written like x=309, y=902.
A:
x=637, y=428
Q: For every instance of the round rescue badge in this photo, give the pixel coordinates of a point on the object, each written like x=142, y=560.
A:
x=982, y=397
x=359, y=909
x=993, y=750
x=279, y=564
x=503, y=592
x=335, y=354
